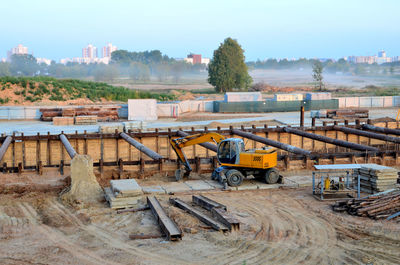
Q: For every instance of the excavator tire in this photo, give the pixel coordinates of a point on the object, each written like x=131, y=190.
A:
x=234, y=177
x=271, y=176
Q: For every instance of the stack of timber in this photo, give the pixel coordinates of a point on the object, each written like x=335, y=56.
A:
x=378, y=206
x=85, y=120
x=123, y=193
x=376, y=178
x=103, y=113
x=64, y=121
x=347, y=113
x=49, y=114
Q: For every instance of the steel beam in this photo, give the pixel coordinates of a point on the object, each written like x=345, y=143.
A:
x=4, y=146
x=70, y=150
x=168, y=226
x=380, y=129
x=367, y=134
x=329, y=140
x=201, y=216
x=207, y=203
x=209, y=146
x=286, y=147
x=141, y=147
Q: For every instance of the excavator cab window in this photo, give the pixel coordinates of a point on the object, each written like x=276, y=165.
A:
x=227, y=152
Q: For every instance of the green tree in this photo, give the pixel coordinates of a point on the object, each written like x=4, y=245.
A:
x=177, y=70
x=4, y=69
x=105, y=73
x=317, y=70
x=23, y=64
x=139, y=71
x=227, y=70
x=391, y=70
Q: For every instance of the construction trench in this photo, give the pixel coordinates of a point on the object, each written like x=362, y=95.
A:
x=137, y=154
x=277, y=225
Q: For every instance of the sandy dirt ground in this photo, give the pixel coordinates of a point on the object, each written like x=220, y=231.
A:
x=277, y=227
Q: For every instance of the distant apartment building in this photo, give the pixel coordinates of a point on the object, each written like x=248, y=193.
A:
x=108, y=49
x=380, y=59
x=90, y=55
x=43, y=60
x=196, y=59
x=20, y=49
x=89, y=51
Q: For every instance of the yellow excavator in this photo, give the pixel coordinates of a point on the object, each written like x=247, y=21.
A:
x=236, y=162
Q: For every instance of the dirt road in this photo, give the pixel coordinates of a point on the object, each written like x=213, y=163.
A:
x=277, y=227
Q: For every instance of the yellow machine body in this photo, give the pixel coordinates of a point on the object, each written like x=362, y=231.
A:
x=327, y=184
x=261, y=159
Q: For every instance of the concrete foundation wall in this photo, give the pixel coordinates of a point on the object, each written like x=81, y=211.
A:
x=51, y=152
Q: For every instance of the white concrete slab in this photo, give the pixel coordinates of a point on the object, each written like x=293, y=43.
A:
x=153, y=190
x=214, y=184
x=199, y=185
x=173, y=187
x=125, y=188
x=246, y=186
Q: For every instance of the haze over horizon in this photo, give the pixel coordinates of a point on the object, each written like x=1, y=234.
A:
x=265, y=29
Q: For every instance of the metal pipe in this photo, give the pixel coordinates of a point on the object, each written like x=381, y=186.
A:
x=367, y=134
x=141, y=147
x=287, y=147
x=380, y=129
x=4, y=146
x=70, y=150
x=330, y=140
x=209, y=146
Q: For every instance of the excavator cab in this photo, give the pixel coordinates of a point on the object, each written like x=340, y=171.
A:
x=229, y=151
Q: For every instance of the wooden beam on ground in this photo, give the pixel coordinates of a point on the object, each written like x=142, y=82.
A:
x=329, y=140
x=286, y=147
x=4, y=146
x=70, y=150
x=368, y=134
x=140, y=147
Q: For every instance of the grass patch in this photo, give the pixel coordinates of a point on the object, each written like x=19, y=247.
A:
x=66, y=89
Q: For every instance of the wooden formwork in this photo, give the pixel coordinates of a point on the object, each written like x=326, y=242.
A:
x=41, y=151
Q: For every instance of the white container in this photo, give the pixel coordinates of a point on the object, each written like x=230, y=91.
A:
x=142, y=109
x=242, y=96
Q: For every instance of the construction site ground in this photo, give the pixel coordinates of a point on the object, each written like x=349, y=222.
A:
x=280, y=225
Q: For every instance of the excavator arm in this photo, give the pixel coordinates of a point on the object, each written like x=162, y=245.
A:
x=179, y=143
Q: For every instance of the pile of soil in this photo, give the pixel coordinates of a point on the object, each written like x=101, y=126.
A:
x=84, y=186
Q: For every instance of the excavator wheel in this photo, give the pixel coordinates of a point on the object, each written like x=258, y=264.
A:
x=271, y=176
x=234, y=177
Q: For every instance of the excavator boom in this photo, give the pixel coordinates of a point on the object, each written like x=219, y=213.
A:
x=179, y=143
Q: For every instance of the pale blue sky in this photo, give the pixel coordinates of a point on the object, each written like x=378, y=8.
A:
x=283, y=28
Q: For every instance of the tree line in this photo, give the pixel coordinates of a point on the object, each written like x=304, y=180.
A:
x=138, y=66
x=330, y=66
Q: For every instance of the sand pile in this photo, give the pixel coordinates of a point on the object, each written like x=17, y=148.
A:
x=84, y=186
